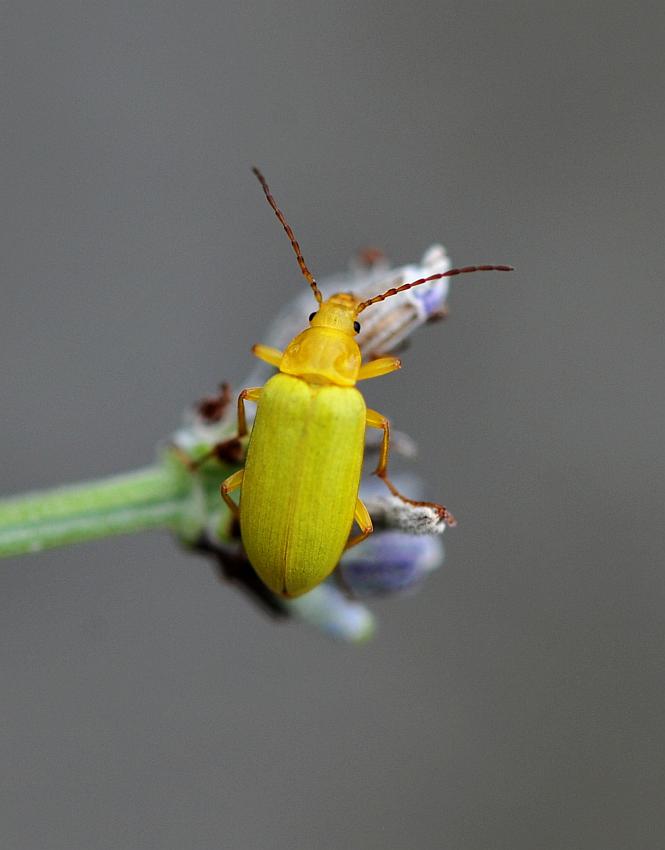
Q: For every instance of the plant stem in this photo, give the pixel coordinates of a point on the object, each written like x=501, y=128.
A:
x=155, y=496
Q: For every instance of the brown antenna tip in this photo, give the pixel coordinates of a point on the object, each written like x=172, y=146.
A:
x=450, y=273
x=309, y=277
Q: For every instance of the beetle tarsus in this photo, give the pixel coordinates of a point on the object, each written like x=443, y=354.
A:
x=441, y=510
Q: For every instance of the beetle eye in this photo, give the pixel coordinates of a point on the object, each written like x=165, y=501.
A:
x=356, y=327
x=311, y=315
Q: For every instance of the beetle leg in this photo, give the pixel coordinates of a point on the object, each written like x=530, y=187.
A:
x=268, y=354
x=250, y=394
x=378, y=420
x=382, y=366
x=228, y=486
x=219, y=450
x=362, y=517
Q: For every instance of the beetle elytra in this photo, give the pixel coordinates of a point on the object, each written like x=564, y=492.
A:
x=299, y=486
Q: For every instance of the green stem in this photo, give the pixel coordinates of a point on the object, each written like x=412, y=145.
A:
x=156, y=496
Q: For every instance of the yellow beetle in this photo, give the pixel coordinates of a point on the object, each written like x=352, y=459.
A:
x=299, y=487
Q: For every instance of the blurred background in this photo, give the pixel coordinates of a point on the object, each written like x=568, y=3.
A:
x=517, y=701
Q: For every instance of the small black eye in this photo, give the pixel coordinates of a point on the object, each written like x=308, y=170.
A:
x=356, y=327
x=311, y=316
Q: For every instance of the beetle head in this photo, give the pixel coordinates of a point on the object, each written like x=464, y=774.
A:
x=337, y=313
x=326, y=352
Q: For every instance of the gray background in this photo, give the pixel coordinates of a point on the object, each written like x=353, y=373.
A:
x=517, y=702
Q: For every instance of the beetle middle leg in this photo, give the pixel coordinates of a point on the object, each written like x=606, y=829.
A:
x=249, y=394
x=220, y=449
x=362, y=517
x=377, y=420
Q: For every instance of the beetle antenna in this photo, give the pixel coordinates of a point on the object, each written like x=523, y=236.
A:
x=309, y=277
x=465, y=270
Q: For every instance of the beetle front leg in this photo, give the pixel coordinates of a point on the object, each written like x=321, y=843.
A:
x=228, y=486
x=267, y=354
x=380, y=366
x=362, y=517
x=378, y=420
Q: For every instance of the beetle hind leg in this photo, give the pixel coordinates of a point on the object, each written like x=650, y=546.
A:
x=378, y=420
x=233, y=482
x=362, y=517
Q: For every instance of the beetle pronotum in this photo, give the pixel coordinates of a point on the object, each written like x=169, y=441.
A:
x=299, y=486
